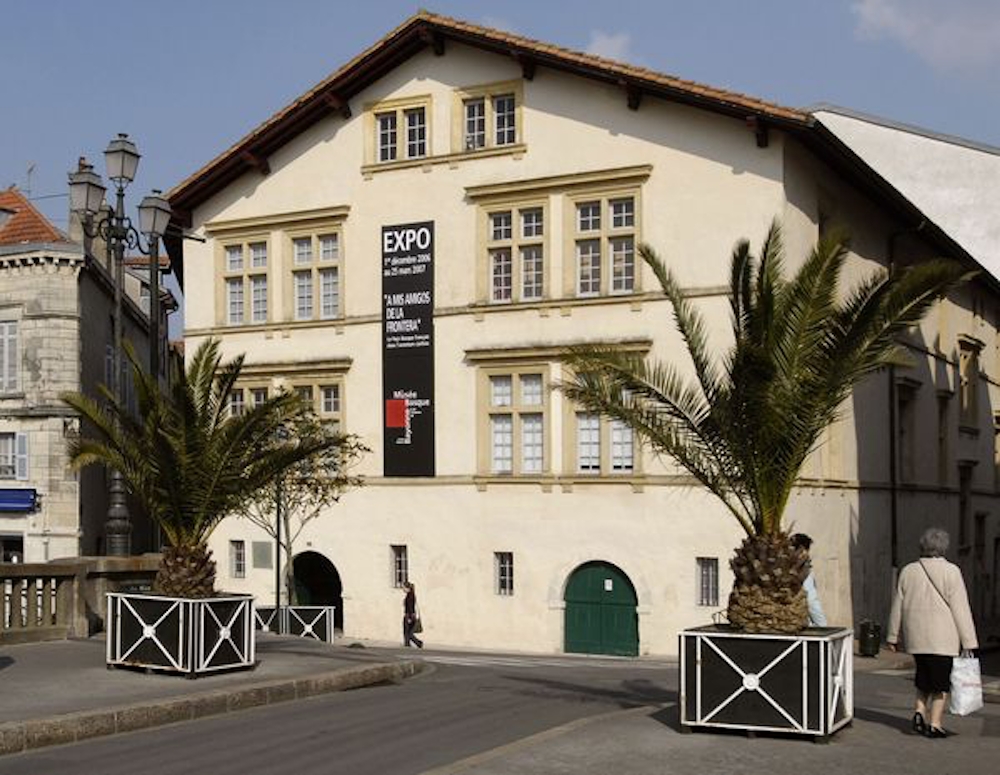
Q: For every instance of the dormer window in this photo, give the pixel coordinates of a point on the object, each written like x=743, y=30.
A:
x=490, y=117
x=399, y=130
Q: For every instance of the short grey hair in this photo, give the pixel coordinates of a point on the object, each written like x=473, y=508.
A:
x=934, y=542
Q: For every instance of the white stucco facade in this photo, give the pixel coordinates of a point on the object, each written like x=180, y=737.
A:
x=699, y=181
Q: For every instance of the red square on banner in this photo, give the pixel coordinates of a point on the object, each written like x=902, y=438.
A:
x=395, y=413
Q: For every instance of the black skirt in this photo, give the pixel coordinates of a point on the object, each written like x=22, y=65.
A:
x=933, y=673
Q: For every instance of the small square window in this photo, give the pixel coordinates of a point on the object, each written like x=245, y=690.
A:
x=331, y=399
x=622, y=213
x=503, y=563
x=400, y=565
x=234, y=299
x=329, y=247
x=258, y=254
x=258, y=395
x=234, y=258
x=236, y=402
x=303, y=296
x=386, y=136
x=505, y=118
x=501, y=393
x=329, y=291
x=502, y=274
x=500, y=226
x=303, y=250
x=258, y=298
x=532, y=273
x=502, y=445
x=588, y=253
x=416, y=133
x=237, y=559
x=475, y=124
x=531, y=222
x=531, y=389
x=708, y=581
x=588, y=216
x=622, y=265
x=588, y=443
x=305, y=393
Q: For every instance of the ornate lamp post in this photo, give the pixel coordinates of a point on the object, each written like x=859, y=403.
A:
x=86, y=191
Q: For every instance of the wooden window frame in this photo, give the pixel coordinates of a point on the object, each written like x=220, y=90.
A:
x=516, y=245
x=607, y=235
x=516, y=411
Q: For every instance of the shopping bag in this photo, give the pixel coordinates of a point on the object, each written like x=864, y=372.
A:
x=966, y=686
x=418, y=627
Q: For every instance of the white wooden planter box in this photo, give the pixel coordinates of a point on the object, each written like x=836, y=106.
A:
x=180, y=635
x=801, y=684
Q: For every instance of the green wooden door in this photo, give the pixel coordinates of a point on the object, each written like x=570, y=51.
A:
x=601, y=611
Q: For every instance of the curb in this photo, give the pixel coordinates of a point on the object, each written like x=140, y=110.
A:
x=21, y=736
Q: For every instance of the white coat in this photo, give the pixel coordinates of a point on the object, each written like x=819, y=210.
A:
x=932, y=623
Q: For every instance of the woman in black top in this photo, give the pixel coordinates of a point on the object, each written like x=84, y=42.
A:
x=410, y=616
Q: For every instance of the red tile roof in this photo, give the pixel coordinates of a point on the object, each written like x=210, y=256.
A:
x=423, y=29
x=26, y=224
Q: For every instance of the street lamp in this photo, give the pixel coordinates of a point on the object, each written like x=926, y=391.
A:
x=86, y=191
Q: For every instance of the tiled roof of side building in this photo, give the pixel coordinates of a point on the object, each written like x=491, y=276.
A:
x=25, y=225
x=418, y=31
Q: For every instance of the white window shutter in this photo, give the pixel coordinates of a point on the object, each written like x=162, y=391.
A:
x=21, y=465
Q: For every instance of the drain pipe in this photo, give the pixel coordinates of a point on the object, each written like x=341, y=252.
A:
x=893, y=451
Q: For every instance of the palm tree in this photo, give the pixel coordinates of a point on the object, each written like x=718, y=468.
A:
x=188, y=459
x=745, y=424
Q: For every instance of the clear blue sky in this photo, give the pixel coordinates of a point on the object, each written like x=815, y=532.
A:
x=187, y=78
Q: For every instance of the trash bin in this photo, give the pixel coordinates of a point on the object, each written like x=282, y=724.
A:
x=869, y=639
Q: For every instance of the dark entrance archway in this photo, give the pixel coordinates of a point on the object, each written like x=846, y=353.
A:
x=317, y=582
x=601, y=616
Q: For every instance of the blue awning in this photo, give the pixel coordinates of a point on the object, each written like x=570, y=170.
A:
x=18, y=500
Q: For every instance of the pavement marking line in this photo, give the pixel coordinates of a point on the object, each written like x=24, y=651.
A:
x=539, y=737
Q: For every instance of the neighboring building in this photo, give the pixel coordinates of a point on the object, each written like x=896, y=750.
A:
x=55, y=336
x=954, y=182
x=414, y=241
x=950, y=179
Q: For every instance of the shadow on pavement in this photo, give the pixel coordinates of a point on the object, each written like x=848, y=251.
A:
x=900, y=723
x=5, y=662
x=631, y=694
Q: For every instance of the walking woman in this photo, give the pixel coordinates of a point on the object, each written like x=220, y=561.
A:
x=931, y=605
x=411, y=617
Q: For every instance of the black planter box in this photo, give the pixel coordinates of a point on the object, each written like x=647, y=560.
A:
x=180, y=635
x=304, y=621
x=801, y=684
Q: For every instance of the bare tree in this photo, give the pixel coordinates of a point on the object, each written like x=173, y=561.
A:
x=306, y=490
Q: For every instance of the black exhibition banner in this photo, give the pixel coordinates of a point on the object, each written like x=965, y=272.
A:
x=408, y=349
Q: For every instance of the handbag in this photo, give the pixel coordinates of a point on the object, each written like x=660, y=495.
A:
x=966, y=686
x=418, y=626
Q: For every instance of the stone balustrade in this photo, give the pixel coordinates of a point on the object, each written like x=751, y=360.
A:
x=65, y=598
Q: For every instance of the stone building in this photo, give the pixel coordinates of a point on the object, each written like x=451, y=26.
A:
x=413, y=242
x=55, y=336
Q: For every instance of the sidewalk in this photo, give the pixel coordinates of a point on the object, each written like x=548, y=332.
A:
x=61, y=691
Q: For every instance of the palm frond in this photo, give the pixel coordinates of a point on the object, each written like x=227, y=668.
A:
x=745, y=431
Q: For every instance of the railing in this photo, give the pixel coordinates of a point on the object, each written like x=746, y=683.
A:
x=64, y=599
x=304, y=621
x=41, y=601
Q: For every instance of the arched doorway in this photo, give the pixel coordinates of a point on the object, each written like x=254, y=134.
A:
x=317, y=582
x=601, y=613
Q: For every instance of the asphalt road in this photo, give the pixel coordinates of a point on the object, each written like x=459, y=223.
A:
x=482, y=714
x=463, y=707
